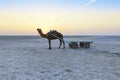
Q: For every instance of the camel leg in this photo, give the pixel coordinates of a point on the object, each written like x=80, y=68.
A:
x=63, y=44
x=49, y=41
x=60, y=43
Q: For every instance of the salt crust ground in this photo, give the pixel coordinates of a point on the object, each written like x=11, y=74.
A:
x=30, y=59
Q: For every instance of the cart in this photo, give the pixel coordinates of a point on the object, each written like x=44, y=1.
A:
x=80, y=44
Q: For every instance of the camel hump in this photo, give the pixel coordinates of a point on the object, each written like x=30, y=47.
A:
x=53, y=31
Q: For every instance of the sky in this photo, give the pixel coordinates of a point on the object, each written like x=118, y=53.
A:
x=70, y=17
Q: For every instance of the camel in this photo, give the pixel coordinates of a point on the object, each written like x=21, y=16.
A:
x=51, y=37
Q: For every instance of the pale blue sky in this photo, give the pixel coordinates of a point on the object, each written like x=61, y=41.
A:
x=105, y=4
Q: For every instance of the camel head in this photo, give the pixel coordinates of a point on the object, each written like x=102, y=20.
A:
x=39, y=30
x=41, y=33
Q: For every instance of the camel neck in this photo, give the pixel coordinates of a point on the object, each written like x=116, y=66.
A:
x=43, y=35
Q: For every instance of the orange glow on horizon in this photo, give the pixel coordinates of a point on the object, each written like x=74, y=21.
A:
x=73, y=23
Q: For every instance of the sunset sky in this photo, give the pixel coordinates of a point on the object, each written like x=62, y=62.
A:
x=70, y=17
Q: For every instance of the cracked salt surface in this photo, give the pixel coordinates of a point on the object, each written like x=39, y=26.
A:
x=30, y=59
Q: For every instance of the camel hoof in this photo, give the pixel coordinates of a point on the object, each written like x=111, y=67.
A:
x=64, y=48
x=50, y=48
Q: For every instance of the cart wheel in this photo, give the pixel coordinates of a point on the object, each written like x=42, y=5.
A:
x=87, y=45
x=84, y=44
x=73, y=45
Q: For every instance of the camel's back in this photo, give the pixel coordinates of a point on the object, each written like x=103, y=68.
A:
x=56, y=33
x=59, y=34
